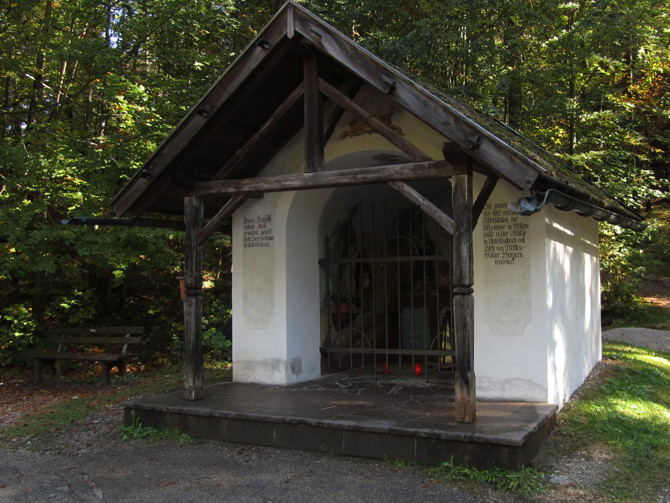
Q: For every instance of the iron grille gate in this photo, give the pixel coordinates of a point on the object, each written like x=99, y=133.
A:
x=388, y=293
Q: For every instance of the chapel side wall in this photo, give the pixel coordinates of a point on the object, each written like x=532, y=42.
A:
x=509, y=291
x=573, y=301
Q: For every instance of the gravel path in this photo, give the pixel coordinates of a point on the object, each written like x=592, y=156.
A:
x=141, y=471
x=658, y=340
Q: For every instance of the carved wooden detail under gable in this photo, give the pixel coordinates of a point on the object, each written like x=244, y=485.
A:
x=358, y=127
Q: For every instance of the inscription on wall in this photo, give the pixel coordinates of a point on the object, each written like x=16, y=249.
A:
x=504, y=235
x=258, y=231
x=506, y=239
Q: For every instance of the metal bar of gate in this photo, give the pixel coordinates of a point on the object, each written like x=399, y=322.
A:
x=386, y=286
x=374, y=291
x=397, y=221
x=391, y=351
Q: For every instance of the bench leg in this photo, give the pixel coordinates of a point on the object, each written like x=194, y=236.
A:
x=106, y=373
x=122, y=368
x=40, y=364
x=39, y=367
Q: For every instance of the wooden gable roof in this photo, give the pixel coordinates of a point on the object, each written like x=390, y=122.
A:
x=261, y=93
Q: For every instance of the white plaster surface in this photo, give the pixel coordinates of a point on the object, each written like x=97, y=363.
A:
x=573, y=301
x=510, y=322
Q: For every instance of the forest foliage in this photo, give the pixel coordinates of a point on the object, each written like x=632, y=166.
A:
x=91, y=87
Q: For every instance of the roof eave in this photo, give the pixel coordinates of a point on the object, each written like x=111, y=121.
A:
x=274, y=32
x=617, y=213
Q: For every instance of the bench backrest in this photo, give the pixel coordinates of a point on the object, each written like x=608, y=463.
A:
x=117, y=335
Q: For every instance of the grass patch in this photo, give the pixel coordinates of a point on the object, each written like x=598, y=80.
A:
x=630, y=415
x=526, y=482
x=41, y=425
x=645, y=315
x=137, y=431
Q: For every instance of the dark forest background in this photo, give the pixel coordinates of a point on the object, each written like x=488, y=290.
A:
x=89, y=88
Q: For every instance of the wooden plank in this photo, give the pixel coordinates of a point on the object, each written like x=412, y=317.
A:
x=389, y=134
x=483, y=197
x=313, y=115
x=339, y=178
x=64, y=355
x=193, y=355
x=96, y=330
x=490, y=150
x=264, y=133
x=217, y=95
x=426, y=206
x=217, y=220
x=463, y=302
x=93, y=340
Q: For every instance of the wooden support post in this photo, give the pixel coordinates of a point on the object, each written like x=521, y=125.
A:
x=463, y=302
x=313, y=115
x=193, y=358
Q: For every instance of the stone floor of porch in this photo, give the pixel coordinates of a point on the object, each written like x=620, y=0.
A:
x=350, y=413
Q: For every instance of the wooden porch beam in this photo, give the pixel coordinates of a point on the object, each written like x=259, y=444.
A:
x=323, y=179
x=313, y=114
x=483, y=197
x=267, y=130
x=217, y=220
x=463, y=302
x=426, y=206
x=392, y=136
x=193, y=356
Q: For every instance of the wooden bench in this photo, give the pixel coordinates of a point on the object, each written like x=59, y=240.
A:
x=99, y=338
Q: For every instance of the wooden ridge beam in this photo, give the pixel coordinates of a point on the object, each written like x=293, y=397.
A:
x=264, y=133
x=217, y=220
x=426, y=206
x=378, y=126
x=324, y=179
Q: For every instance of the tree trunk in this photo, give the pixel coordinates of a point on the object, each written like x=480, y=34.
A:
x=38, y=82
